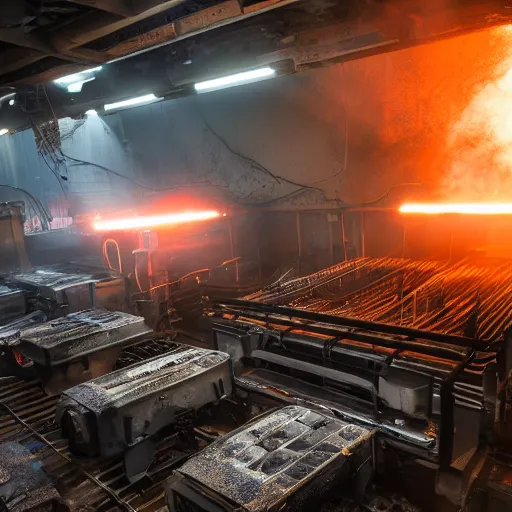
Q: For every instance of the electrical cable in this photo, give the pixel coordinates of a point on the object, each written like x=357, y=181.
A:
x=195, y=272
x=277, y=199
x=343, y=204
x=136, y=274
x=49, y=149
x=302, y=187
x=153, y=189
x=54, y=172
x=386, y=194
x=46, y=217
x=115, y=173
x=104, y=250
x=259, y=166
x=186, y=276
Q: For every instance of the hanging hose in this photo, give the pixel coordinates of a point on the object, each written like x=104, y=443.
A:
x=104, y=250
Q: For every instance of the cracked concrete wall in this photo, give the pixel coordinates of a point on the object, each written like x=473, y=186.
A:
x=364, y=130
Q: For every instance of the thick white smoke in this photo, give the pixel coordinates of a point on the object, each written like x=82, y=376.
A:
x=480, y=141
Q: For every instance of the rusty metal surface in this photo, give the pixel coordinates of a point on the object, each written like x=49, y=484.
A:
x=79, y=334
x=374, y=502
x=67, y=288
x=27, y=416
x=260, y=465
x=52, y=279
x=23, y=484
x=123, y=412
x=157, y=375
x=10, y=332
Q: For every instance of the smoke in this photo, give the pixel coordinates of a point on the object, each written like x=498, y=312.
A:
x=480, y=140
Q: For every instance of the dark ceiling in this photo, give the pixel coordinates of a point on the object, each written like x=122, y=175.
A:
x=43, y=39
x=163, y=47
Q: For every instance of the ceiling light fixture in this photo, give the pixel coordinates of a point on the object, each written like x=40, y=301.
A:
x=77, y=86
x=3, y=131
x=147, y=98
x=91, y=112
x=77, y=77
x=12, y=102
x=236, y=79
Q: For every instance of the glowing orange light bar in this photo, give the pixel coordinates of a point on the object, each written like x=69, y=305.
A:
x=153, y=221
x=458, y=208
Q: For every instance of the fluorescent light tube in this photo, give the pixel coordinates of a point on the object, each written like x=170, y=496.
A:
x=131, y=102
x=236, y=79
x=3, y=131
x=76, y=77
x=77, y=86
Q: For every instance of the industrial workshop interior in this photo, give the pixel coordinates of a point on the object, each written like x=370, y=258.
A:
x=256, y=255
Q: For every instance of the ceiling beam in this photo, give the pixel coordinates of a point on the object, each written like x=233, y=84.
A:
x=92, y=24
x=17, y=58
x=19, y=37
x=224, y=13
x=206, y=18
x=83, y=56
x=119, y=7
x=138, y=43
x=96, y=25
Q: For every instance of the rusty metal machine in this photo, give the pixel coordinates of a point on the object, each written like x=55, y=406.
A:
x=66, y=288
x=283, y=461
x=77, y=347
x=124, y=411
x=419, y=351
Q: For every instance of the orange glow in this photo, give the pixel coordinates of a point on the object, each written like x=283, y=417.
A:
x=480, y=139
x=458, y=208
x=153, y=221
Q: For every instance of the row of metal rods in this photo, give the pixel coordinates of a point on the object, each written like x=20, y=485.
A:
x=443, y=296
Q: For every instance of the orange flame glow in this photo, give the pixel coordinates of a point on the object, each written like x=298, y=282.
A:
x=153, y=221
x=458, y=208
x=480, y=140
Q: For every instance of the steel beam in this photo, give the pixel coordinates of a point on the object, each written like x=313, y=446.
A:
x=97, y=25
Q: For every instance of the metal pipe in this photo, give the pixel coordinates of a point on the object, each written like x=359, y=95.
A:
x=299, y=238
x=343, y=236
x=331, y=241
x=232, y=245
x=361, y=226
x=355, y=322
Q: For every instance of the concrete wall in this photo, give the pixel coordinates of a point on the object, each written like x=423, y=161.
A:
x=354, y=132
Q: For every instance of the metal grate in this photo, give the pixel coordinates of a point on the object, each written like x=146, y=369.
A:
x=453, y=298
x=27, y=417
